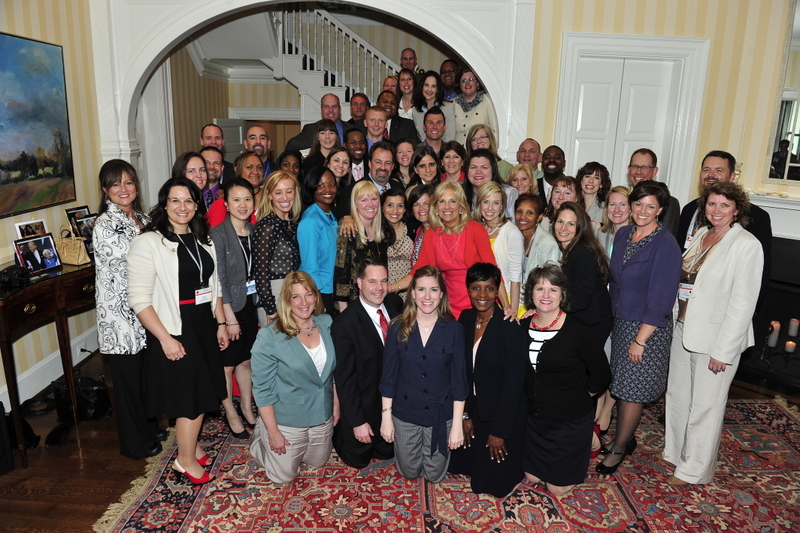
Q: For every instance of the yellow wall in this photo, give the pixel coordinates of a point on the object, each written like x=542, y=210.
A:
x=65, y=23
x=793, y=70
x=196, y=101
x=392, y=41
x=747, y=39
x=280, y=95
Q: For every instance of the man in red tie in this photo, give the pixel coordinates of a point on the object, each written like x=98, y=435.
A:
x=359, y=334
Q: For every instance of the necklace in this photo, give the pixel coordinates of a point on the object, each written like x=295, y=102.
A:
x=309, y=329
x=479, y=322
x=545, y=328
x=453, y=250
x=492, y=231
x=526, y=247
x=427, y=328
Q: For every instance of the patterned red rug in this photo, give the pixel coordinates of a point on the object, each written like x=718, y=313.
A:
x=756, y=489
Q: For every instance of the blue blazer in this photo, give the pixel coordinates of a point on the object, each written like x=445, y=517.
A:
x=285, y=376
x=424, y=381
x=317, y=234
x=644, y=288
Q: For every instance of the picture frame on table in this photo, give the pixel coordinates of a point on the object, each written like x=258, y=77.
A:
x=31, y=228
x=38, y=254
x=85, y=229
x=74, y=213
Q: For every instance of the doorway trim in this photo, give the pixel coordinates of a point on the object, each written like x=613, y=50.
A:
x=691, y=53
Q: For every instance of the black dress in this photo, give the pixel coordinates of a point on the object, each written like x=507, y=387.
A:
x=194, y=384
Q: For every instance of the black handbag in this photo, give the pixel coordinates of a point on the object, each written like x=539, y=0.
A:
x=93, y=401
x=14, y=276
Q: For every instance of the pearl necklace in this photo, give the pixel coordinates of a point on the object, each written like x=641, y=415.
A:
x=544, y=328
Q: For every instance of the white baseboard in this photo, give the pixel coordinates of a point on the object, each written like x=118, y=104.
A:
x=35, y=379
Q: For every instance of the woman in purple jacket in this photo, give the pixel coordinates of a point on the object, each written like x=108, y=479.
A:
x=645, y=271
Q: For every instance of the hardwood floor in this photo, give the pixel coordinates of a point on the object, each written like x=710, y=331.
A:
x=67, y=489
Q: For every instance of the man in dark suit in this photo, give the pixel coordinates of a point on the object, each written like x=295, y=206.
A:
x=643, y=166
x=398, y=127
x=553, y=164
x=33, y=258
x=359, y=334
x=211, y=135
x=719, y=165
x=330, y=109
x=359, y=103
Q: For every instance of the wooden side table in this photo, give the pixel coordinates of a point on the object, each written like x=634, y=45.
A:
x=52, y=298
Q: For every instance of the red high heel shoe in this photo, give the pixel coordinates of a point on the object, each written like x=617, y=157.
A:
x=195, y=480
x=205, y=460
x=595, y=453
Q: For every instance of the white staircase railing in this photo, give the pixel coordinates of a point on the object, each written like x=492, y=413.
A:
x=329, y=47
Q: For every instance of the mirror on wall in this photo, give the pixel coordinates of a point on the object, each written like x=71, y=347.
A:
x=785, y=163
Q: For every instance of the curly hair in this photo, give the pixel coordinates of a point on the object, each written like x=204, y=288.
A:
x=555, y=276
x=733, y=192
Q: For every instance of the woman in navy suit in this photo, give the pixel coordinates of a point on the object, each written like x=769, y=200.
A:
x=424, y=380
x=293, y=362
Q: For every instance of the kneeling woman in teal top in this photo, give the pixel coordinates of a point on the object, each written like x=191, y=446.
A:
x=292, y=363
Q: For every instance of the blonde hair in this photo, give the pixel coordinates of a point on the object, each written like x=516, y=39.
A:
x=265, y=206
x=528, y=171
x=361, y=188
x=607, y=226
x=285, y=322
x=473, y=131
x=408, y=317
x=463, y=207
x=484, y=192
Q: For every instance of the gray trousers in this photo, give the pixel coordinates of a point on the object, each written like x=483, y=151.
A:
x=412, y=452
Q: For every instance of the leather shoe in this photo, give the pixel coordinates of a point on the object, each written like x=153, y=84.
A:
x=629, y=447
x=152, y=452
x=608, y=470
x=161, y=435
x=673, y=481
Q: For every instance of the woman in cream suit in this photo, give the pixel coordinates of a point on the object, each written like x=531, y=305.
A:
x=292, y=364
x=714, y=311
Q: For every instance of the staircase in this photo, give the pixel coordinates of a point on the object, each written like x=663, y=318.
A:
x=319, y=55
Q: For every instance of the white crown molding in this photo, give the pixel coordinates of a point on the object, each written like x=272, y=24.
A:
x=264, y=113
x=775, y=202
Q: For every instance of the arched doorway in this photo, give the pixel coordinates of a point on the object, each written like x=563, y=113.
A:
x=130, y=40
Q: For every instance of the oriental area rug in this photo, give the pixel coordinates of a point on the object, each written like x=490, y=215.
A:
x=756, y=489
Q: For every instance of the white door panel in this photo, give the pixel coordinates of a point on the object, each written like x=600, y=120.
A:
x=621, y=105
x=233, y=132
x=596, y=111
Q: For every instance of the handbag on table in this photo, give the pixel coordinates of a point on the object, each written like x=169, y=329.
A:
x=71, y=249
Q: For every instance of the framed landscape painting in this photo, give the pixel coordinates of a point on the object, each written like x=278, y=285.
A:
x=36, y=152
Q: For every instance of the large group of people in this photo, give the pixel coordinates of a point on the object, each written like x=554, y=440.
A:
x=402, y=292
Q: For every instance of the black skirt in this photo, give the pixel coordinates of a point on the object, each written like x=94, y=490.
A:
x=239, y=350
x=557, y=452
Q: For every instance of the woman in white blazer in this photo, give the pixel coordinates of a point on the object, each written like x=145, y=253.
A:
x=174, y=290
x=507, y=241
x=714, y=311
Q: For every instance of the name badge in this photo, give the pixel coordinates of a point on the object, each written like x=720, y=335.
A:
x=202, y=295
x=685, y=290
x=251, y=287
x=689, y=239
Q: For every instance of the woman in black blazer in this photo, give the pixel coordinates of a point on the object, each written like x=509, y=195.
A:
x=496, y=409
x=566, y=368
x=234, y=245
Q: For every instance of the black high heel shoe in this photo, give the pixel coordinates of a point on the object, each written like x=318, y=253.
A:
x=608, y=470
x=242, y=435
x=247, y=424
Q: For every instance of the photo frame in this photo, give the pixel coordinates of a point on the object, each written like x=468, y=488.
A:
x=85, y=229
x=72, y=214
x=31, y=228
x=36, y=151
x=37, y=254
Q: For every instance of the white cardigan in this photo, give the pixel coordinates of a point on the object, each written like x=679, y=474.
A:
x=719, y=316
x=153, y=278
x=508, y=251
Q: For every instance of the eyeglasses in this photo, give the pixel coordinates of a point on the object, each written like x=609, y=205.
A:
x=480, y=138
x=468, y=80
x=640, y=167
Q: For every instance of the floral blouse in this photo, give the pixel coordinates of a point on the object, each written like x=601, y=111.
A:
x=118, y=329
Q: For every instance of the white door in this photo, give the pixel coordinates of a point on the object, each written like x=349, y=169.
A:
x=233, y=132
x=623, y=105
